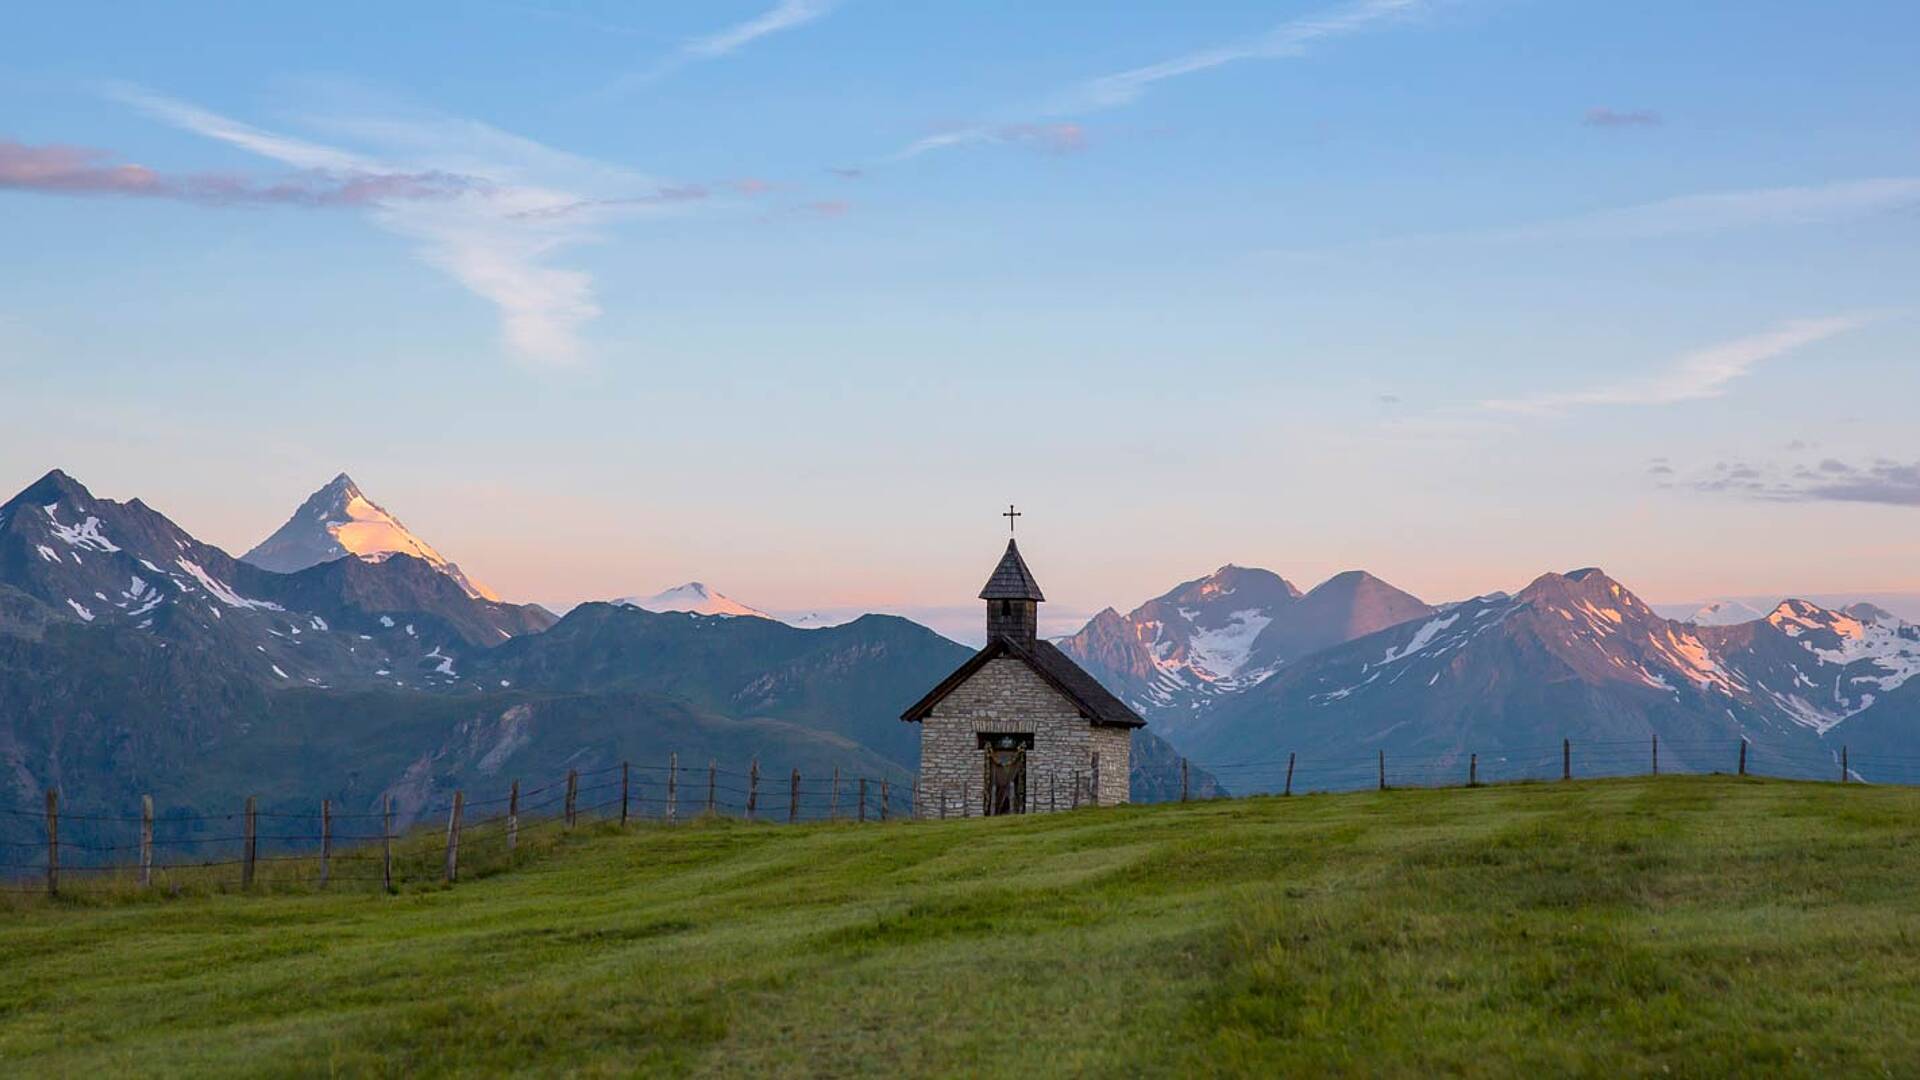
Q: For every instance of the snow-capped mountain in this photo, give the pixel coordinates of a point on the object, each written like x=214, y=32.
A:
x=339, y=520
x=124, y=567
x=1574, y=655
x=693, y=597
x=1216, y=636
x=1725, y=613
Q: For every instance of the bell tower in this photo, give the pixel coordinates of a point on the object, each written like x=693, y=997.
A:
x=1013, y=600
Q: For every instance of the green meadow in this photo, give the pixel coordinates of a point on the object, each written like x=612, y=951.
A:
x=1693, y=925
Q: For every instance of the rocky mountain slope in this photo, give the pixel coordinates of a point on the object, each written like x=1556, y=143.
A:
x=1573, y=656
x=349, y=622
x=1212, y=638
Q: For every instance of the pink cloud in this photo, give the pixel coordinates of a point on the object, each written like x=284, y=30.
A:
x=826, y=208
x=1052, y=138
x=76, y=170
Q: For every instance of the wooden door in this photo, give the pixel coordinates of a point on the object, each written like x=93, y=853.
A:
x=1006, y=782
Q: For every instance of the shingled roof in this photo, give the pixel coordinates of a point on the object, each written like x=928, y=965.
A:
x=1012, y=580
x=1054, y=668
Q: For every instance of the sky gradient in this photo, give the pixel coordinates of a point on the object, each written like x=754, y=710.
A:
x=793, y=297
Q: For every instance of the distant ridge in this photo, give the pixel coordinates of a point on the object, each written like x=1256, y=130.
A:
x=696, y=598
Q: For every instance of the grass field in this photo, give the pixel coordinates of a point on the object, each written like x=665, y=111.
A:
x=1702, y=925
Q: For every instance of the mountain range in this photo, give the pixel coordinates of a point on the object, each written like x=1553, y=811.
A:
x=135, y=658
x=1210, y=639
x=1579, y=656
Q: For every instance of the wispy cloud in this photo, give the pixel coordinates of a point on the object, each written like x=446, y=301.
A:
x=1621, y=118
x=1289, y=39
x=1705, y=373
x=519, y=205
x=1724, y=210
x=1685, y=215
x=1293, y=38
x=75, y=170
x=782, y=16
x=1058, y=138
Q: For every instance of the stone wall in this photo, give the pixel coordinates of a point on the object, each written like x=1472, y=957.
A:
x=1007, y=696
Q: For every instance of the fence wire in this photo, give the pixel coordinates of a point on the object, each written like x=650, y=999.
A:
x=395, y=846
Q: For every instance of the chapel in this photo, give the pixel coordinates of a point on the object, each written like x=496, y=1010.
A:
x=1019, y=728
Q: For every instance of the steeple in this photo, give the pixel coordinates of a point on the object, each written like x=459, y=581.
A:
x=1012, y=598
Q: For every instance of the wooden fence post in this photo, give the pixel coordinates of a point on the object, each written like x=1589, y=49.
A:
x=1566, y=759
x=53, y=842
x=1076, y=789
x=252, y=841
x=573, y=789
x=1843, y=764
x=1656, y=755
x=386, y=845
x=1289, y=790
x=943, y=802
x=1383, y=770
x=673, y=787
x=1053, y=791
x=863, y=800
x=833, y=802
x=146, y=841
x=793, y=798
x=713, y=781
x=885, y=799
x=623, y=794
x=1093, y=781
x=453, y=837
x=513, y=818
x=1183, y=779
x=1473, y=770
x=753, y=787
x=1743, y=755
x=326, y=841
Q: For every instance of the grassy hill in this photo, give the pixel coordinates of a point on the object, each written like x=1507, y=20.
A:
x=1706, y=925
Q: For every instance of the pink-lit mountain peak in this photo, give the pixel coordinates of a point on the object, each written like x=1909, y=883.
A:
x=339, y=520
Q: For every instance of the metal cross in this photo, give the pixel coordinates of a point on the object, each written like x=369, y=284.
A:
x=1010, y=515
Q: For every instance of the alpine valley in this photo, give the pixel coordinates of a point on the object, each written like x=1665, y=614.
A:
x=346, y=658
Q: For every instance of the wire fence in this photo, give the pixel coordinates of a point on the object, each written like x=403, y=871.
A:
x=1568, y=759
x=402, y=844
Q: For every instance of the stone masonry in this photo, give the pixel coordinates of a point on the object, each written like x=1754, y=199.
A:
x=1005, y=695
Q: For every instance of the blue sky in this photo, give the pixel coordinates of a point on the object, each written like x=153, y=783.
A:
x=794, y=297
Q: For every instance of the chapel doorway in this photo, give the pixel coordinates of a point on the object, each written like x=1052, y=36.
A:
x=1006, y=773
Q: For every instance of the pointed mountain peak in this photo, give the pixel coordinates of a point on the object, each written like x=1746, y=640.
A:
x=1349, y=581
x=1873, y=613
x=1589, y=585
x=55, y=486
x=1249, y=583
x=1725, y=613
x=1794, y=611
x=339, y=520
x=695, y=598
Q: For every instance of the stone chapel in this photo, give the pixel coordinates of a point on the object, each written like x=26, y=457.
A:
x=1019, y=728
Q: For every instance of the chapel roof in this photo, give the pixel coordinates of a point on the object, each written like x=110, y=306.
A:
x=1011, y=579
x=1095, y=702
